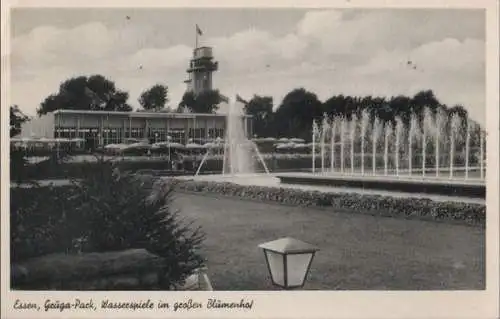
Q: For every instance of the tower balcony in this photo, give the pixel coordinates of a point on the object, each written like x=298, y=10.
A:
x=203, y=65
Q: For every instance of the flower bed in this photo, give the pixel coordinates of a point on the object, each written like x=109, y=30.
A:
x=421, y=208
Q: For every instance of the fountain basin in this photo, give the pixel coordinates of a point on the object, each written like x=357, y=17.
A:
x=435, y=186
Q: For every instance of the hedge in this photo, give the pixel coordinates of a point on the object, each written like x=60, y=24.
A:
x=51, y=169
x=420, y=208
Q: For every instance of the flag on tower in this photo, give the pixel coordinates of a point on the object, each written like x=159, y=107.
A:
x=198, y=33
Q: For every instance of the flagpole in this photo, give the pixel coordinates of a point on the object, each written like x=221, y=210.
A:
x=196, y=31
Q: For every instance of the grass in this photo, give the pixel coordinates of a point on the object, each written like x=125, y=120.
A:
x=358, y=252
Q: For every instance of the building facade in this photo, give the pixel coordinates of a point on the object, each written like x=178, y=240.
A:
x=103, y=127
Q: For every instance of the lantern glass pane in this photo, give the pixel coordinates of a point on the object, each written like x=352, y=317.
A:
x=276, y=267
x=297, y=267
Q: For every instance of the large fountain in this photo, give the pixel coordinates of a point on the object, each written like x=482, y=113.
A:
x=241, y=155
x=433, y=145
x=435, y=151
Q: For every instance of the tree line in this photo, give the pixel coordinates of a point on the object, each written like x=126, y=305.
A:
x=293, y=117
x=299, y=108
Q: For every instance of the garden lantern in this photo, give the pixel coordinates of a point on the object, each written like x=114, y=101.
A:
x=288, y=261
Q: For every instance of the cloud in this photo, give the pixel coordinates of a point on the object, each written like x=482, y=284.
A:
x=327, y=52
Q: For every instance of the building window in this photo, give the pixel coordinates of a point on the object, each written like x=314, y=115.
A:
x=178, y=136
x=112, y=136
x=137, y=133
x=62, y=133
x=158, y=135
x=211, y=133
x=197, y=134
x=219, y=132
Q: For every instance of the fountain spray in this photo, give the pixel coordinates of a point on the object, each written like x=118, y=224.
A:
x=238, y=148
x=399, y=132
x=375, y=135
x=481, y=148
x=223, y=157
x=332, y=144
x=437, y=138
x=454, y=127
x=467, y=146
x=427, y=128
x=411, y=134
x=388, y=132
x=352, y=135
x=365, y=118
x=342, y=135
x=322, y=149
x=324, y=130
x=424, y=145
x=314, y=132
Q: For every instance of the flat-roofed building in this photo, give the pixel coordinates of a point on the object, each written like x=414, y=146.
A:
x=99, y=128
x=103, y=127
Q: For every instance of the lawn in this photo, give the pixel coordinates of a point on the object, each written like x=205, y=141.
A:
x=358, y=252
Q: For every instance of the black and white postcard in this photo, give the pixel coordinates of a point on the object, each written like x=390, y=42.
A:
x=250, y=159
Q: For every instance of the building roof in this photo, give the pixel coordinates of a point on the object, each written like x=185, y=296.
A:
x=144, y=114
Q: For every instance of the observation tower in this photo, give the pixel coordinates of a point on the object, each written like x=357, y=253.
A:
x=200, y=70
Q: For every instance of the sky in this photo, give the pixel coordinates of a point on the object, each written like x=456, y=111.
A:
x=260, y=51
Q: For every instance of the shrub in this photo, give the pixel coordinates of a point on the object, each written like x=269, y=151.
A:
x=106, y=211
x=124, y=211
x=42, y=221
x=17, y=165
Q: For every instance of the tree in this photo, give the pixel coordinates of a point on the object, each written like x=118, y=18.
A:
x=261, y=108
x=204, y=102
x=458, y=109
x=397, y=106
x=425, y=98
x=335, y=106
x=295, y=114
x=86, y=93
x=380, y=107
x=154, y=98
x=17, y=118
x=207, y=102
x=188, y=102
